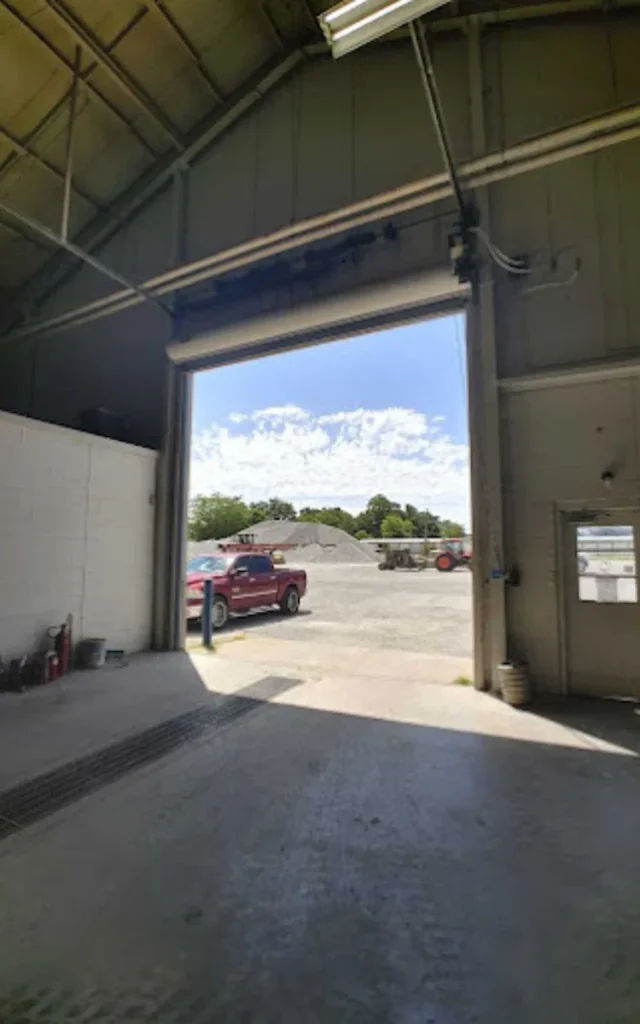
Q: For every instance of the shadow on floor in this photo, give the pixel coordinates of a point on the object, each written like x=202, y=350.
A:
x=249, y=621
x=615, y=721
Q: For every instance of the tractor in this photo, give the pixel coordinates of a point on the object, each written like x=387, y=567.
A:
x=400, y=558
x=453, y=552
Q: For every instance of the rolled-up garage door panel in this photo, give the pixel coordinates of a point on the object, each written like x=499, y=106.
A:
x=326, y=319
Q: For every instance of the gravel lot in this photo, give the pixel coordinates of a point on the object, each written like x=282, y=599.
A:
x=359, y=606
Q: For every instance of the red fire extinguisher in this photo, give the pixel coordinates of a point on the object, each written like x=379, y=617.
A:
x=51, y=667
x=62, y=643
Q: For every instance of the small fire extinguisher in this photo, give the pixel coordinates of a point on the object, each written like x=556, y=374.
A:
x=51, y=667
x=62, y=644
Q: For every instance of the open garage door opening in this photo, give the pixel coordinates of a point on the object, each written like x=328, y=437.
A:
x=329, y=503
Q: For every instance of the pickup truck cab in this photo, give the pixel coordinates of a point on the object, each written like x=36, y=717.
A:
x=241, y=583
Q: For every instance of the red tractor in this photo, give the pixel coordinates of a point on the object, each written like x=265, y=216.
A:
x=453, y=552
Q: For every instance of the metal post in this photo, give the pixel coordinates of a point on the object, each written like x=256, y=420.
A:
x=173, y=481
x=423, y=57
x=68, y=170
x=484, y=425
x=207, y=609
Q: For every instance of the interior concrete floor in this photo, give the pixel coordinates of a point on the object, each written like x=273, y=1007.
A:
x=347, y=851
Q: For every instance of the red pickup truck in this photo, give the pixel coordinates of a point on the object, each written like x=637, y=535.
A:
x=242, y=582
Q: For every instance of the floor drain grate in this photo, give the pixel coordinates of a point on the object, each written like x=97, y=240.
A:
x=41, y=796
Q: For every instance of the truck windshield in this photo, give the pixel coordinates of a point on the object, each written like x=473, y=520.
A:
x=208, y=563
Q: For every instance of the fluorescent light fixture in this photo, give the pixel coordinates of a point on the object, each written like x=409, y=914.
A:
x=356, y=22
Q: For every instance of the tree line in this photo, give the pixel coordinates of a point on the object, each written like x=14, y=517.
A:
x=214, y=516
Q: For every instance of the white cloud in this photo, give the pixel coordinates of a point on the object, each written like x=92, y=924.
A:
x=280, y=412
x=342, y=458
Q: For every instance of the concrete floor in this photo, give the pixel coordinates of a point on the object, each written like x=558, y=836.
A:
x=362, y=846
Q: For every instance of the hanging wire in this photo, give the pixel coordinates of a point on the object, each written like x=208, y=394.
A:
x=517, y=266
x=512, y=266
x=564, y=283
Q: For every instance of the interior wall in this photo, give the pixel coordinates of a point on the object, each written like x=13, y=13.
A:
x=557, y=442
x=76, y=536
x=571, y=435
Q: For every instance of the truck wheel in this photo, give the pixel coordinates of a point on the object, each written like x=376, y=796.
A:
x=219, y=612
x=290, y=604
x=445, y=562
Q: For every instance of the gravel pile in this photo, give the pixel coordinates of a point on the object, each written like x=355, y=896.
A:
x=314, y=542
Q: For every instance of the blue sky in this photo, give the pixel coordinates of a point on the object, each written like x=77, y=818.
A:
x=338, y=422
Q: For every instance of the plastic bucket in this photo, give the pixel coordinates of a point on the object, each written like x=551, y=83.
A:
x=91, y=653
x=515, y=684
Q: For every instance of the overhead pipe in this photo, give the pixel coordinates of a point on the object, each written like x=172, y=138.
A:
x=430, y=85
x=581, y=139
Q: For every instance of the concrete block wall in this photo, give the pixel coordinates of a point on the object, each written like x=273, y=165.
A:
x=76, y=535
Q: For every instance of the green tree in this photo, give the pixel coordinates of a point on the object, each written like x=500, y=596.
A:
x=395, y=525
x=449, y=528
x=274, y=508
x=378, y=508
x=362, y=535
x=425, y=524
x=214, y=516
x=337, y=517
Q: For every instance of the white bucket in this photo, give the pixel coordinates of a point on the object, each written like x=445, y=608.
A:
x=515, y=684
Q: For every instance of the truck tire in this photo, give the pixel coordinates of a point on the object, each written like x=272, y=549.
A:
x=290, y=604
x=219, y=612
x=445, y=562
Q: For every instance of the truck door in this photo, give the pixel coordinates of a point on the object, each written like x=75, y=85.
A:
x=264, y=580
x=242, y=585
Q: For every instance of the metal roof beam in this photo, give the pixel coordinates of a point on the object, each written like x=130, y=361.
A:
x=85, y=38
x=53, y=50
x=495, y=15
x=43, y=231
x=166, y=18
x=23, y=236
x=269, y=21
x=24, y=149
x=105, y=224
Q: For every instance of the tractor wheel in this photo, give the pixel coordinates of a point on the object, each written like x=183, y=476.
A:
x=445, y=562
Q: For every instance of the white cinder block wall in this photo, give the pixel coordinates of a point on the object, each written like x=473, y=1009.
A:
x=76, y=535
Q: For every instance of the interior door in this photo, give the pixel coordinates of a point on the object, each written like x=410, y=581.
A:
x=601, y=600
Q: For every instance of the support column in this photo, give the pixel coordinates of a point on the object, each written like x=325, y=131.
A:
x=484, y=424
x=173, y=467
